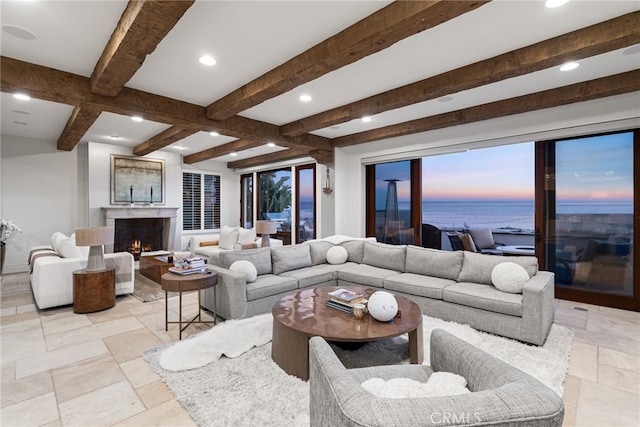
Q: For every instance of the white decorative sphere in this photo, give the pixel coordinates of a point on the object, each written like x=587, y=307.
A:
x=509, y=277
x=382, y=306
x=247, y=268
x=337, y=255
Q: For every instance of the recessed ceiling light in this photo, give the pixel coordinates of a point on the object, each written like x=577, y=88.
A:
x=555, y=3
x=271, y=144
x=569, y=66
x=20, y=123
x=137, y=119
x=366, y=119
x=305, y=98
x=21, y=96
x=446, y=99
x=207, y=60
x=334, y=127
x=19, y=32
x=26, y=113
x=214, y=133
x=180, y=147
x=114, y=137
x=233, y=154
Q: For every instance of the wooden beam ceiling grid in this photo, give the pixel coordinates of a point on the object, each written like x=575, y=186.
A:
x=579, y=92
x=600, y=38
x=372, y=34
x=222, y=150
x=81, y=119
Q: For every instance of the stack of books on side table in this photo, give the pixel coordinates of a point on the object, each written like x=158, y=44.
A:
x=344, y=299
x=195, y=262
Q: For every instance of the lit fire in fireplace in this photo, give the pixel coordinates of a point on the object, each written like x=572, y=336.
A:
x=136, y=248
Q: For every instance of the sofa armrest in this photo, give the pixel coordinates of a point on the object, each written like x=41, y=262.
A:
x=231, y=294
x=195, y=240
x=538, y=304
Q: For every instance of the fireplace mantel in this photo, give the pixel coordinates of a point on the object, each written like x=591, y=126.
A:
x=111, y=214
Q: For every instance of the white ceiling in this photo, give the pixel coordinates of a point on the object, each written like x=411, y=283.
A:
x=248, y=38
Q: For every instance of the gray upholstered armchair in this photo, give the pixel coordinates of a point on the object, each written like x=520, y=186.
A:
x=501, y=394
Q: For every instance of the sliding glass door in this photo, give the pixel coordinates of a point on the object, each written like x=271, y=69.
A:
x=588, y=217
x=305, y=202
x=246, y=200
x=393, y=202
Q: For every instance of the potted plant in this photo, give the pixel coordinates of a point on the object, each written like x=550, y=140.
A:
x=6, y=228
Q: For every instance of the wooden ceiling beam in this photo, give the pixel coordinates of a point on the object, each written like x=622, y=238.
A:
x=81, y=119
x=161, y=140
x=280, y=156
x=60, y=86
x=221, y=150
x=322, y=156
x=372, y=34
x=579, y=92
x=604, y=37
x=142, y=26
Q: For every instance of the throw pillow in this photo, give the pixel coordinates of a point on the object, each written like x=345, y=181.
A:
x=211, y=243
x=467, y=242
x=246, y=268
x=56, y=238
x=482, y=238
x=228, y=237
x=67, y=249
x=439, y=384
x=246, y=236
x=337, y=255
x=289, y=258
x=509, y=277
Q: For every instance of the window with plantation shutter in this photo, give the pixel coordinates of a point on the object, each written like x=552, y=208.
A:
x=200, y=201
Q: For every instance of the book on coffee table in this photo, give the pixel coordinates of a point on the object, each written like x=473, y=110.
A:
x=188, y=271
x=340, y=306
x=346, y=296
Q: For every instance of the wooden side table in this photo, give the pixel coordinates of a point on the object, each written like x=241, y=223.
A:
x=94, y=290
x=172, y=282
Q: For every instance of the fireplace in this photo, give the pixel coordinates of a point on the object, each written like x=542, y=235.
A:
x=138, y=235
x=141, y=229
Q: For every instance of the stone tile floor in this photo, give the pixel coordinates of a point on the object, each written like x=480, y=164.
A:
x=64, y=369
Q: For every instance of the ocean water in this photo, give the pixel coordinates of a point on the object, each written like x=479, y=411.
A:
x=518, y=215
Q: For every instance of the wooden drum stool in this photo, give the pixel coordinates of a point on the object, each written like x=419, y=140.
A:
x=172, y=282
x=94, y=290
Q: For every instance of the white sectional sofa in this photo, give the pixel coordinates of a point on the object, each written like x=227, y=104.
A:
x=52, y=267
x=455, y=286
x=209, y=246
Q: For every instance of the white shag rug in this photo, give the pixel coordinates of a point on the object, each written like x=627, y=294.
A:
x=250, y=389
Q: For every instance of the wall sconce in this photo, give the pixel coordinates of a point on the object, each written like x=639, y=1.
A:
x=327, y=184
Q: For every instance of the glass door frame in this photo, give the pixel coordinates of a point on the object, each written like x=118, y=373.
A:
x=312, y=168
x=243, y=203
x=545, y=208
x=416, y=200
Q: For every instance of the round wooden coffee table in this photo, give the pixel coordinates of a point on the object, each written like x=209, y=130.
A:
x=304, y=314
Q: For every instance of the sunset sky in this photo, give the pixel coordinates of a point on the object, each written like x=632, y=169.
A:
x=588, y=169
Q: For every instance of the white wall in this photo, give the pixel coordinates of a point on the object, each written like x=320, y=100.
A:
x=608, y=114
x=39, y=193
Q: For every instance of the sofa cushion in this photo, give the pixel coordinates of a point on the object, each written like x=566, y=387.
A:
x=246, y=236
x=288, y=258
x=364, y=274
x=355, y=249
x=477, y=268
x=318, y=250
x=433, y=262
x=261, y=258
x=482, y=238
x=268, y=285
x=337, y=255
x=67, y=248
x=228, y=237
x=509, y=277
x=484, y=297
x=382, y=255
x=310, y=276
x=417, y=284
x=56, y=238
x=245, y=267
